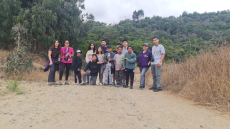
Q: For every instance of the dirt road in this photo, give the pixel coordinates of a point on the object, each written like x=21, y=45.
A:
x=103, y=107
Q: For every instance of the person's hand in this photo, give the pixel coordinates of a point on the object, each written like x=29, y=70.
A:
x=51, y=63
x=105, y=61
x=109, y=60
x=127, y=60
x=120, y=68
x=59, y=59
x=84, y=73
x=123, y=67
x=78, y=69
x=89, y=71
x=159, y=64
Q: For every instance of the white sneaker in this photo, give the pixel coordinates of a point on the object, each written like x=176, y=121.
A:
x=77, y=83
x=100, y=84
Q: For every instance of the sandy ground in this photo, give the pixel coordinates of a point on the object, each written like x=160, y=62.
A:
x=103, y=107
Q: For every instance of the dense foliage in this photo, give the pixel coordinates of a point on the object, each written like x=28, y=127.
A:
x=47, y=20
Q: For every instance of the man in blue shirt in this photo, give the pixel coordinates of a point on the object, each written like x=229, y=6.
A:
x=158, y=54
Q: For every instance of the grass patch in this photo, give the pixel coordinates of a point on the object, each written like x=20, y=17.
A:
x=13, y=86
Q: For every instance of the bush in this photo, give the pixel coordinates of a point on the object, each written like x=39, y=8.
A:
x=13, y=85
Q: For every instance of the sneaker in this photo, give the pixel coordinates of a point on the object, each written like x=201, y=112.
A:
x=131, y=87
x=125, y=86
x=55, y=83
x=113, y=84
x=100, y=84
x=105, y=84
x=152, y=88
x=59, y=83
x=50, y=84
x=117, y=85
x=155, y=90
x=160, y=90
x=84, y=83
x=66, y=83
x=141, y=87
x=87, y=83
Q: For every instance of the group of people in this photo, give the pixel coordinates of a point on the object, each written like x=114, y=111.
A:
x=117, y=67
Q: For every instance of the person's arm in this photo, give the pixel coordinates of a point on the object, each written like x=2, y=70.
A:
x=49, y=55
x=134, y=59
x=162, y=58
x=115, y=64
x=150, y=58
x=105, y=58
x=72, y=52
x=87, y=67
x=124, y=61
x=112, y=59
x=86, y=58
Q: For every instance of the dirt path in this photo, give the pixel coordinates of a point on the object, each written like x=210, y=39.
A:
x=101, y=107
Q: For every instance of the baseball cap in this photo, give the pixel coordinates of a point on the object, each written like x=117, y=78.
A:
x=78, y=51
x=146, y=44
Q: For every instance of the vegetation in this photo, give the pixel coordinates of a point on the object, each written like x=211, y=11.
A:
x=13, y=86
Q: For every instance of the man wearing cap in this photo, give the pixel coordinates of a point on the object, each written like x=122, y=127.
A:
x=144, y=61
x=158, y=54
x=77, y=64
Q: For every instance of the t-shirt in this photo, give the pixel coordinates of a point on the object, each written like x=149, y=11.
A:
x=119, y=60
x=157, y=52
x=125, y=50
x=66, y=53
x=56, y=53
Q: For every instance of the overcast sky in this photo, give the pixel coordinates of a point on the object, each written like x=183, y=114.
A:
x=112, y=11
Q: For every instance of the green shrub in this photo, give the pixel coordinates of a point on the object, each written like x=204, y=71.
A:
x=13, y=86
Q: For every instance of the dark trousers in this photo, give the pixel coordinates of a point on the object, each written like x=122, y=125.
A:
x=77, y=74
x=129, y=72
x=51, y=77
x=63, y=66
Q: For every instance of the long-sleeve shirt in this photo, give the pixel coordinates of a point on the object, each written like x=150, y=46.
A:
x=144, y=58
x=111, y=57
x=132, y=60
x=93, y=67
x=77, y=63
x=88, y=56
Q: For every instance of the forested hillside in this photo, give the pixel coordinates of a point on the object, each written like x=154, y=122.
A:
x=47, y=20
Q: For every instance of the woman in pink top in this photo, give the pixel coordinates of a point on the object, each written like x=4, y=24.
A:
x=66, y=53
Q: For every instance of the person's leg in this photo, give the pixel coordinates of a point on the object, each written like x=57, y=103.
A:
x=68, y=66
x=74, y=77
x=121, y=76
x=106, y=75
x=131, y=72
x=124, y=77
x=61, y=72
x=110, y=76
x=127, y=77
x=117, y=77
x=51, y=74
x=84, y=77
x=79, y=76
x=141, y=79
x=158, y=77
x=100, y=74
x=143, y=72
x=154, y=78
x=94, y=80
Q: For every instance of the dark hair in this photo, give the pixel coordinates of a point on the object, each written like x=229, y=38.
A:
x=102, y=52
x=53, y=46
x=124, y=40
x=66, y=40
x=94, y=48
x=118, y=43
x=96, y=56
x=129, y=47
x=119, y=47
x=103, y=40
x=155, y=37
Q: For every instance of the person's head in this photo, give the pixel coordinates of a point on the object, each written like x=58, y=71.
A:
x=99, y=50
x=55, y=44
x=145, y=46
x=94, y=57
x=125, y=43
x=119, y=50
x=92, y=47
x=109, y=48
x=130, y=49
x=155, y=41
x=118, y=45
x=103, y=43
x=78, y=53
x=66, y=43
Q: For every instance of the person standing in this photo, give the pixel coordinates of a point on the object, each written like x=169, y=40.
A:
x=77, y=64
x=158, y=54
x=129, y=65
x=109, y=62
x=103, y=46
x=118, y=65
x=88, y=57
x=101, y=62
x=124, y=51
x=66, y=62
x=115, y=52
x=91, y=69
x=144, y=61
x=53, y=63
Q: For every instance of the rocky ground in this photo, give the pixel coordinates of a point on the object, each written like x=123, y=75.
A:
x=103, y=107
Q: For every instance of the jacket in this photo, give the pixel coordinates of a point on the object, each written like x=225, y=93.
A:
x=93, y=67
x=77, y=63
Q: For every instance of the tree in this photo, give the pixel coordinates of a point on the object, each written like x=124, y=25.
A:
x=137, y=15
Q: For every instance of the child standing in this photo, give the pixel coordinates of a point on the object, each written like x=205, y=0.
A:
x=129, y=65
x=109, y=68
x=91, y=69
x=77, y=64
x=100, y=56
x=118, y=64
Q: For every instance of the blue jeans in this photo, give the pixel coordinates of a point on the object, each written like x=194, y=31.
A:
x=143, y=70
x=88, y=77
x=156, y=72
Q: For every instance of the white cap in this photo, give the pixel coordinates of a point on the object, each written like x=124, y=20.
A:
x=78, y=51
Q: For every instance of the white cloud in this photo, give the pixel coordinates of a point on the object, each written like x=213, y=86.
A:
x=112, y=11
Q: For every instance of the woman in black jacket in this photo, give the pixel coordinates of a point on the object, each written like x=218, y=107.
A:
x=93, y=68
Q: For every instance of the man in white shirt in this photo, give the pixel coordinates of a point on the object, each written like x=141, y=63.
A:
x=158, y=54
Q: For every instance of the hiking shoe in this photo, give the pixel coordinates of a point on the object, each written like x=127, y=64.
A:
x=125, y=86
x=87, y=83
x=84, y=83
x=50, y=84
x=100, y=84
x=155, y=90
x=59, y=83
x=160, y=90
x=152, y=88
x=66, y=83
x=131, y=87
x=55, y=83
x=105, y=84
